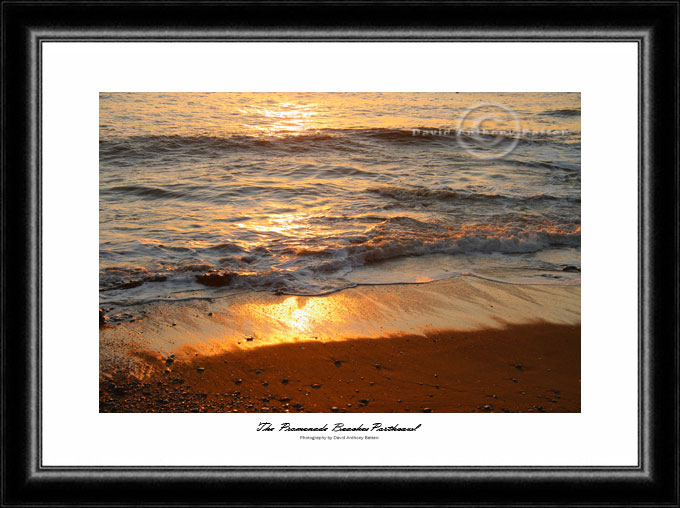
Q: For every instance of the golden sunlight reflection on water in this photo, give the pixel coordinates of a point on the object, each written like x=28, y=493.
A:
x=285, y=118
x=281, y=114
x=290, y=224
x=313, y=193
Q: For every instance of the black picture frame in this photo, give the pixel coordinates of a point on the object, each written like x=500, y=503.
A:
x=653, y=25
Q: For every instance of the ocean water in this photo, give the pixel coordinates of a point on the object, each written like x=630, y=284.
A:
x=204, y=194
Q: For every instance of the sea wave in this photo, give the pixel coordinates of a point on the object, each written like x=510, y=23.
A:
x=424, y=194
x=145, y=192
x=155, y=146
x=562, y=112
x=318, y=268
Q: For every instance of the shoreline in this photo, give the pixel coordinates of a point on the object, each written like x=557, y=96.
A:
x=230, y=292
x=456, y=345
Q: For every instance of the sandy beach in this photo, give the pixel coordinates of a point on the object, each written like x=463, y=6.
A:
x=459, y=345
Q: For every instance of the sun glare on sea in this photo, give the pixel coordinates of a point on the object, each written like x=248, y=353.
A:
x=293, y=225
x=286, y=118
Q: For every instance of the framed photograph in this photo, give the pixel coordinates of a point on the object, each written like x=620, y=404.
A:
x=399, y=254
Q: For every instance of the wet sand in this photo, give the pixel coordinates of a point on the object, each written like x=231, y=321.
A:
x=523, y=368
x=461, y=345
